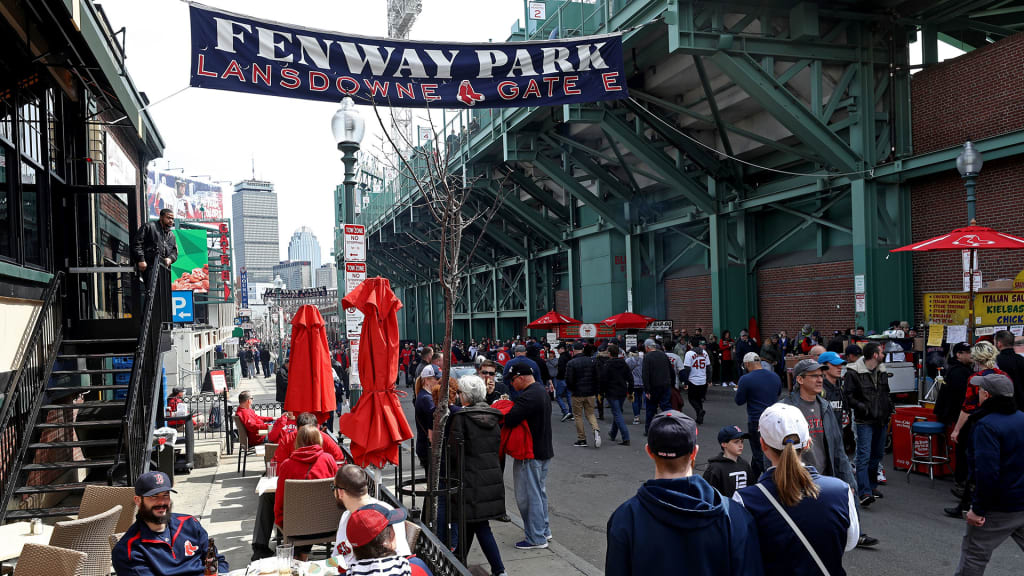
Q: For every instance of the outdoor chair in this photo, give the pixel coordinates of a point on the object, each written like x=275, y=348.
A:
x=412, y=533
x=90, y=535
x=39, y=559
x=268, y=453
x=99, y=499
x=243, y=445
x=311, y=513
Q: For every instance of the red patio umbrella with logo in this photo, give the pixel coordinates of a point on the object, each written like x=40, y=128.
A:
x=553, y=320
x=628, y=321
x=377, y=426
x=971, y=238
x=310, y=377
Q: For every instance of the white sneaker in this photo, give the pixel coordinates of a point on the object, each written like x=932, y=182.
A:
x=597, y=438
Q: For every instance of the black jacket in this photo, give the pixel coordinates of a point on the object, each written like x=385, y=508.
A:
x=563, y=361
x=1013, y=364
x=545, y=376
x=951, y=395
x=478, y=428
x=868, y=393
x=727, y=476
x=616, y=377
x=581, y=376
x=533, y=406
x=152, y=241
x=658, y=374
x=282, y=384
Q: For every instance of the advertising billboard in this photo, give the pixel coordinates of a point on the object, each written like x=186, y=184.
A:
x=190, y=199
x=191, y=271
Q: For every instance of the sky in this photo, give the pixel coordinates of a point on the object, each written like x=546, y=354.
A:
x=223, y=135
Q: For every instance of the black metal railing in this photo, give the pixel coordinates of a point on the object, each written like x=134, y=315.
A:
x=135, y=445
x=23, y=395
x=210, y=414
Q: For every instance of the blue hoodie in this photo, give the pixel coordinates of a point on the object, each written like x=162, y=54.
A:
x=681, y=526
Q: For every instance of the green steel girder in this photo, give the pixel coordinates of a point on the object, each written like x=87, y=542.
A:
x=644, y=149
x=502, y=239
x=598, y=155
x=534, y=219
x=788, y=110
x=694, y=42
x=545, y=197
x=392, y=267
x=574, y=188
x=416, y=259
x=613, y=184
x=700, y=155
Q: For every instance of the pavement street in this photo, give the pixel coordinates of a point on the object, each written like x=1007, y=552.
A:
x=585, y=485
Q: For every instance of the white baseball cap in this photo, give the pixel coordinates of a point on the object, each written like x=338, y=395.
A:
x=430, y=371
x=781, y=420
x=751, y=357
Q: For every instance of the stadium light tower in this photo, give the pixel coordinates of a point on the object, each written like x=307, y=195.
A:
x=401, y=16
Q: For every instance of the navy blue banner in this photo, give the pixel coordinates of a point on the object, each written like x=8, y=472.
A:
x=242, y=54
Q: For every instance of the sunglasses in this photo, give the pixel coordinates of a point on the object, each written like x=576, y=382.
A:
x=488, y=373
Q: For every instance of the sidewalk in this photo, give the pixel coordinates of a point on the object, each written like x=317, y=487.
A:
x=226, y=503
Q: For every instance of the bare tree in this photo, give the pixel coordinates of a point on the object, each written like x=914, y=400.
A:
x=446, y=191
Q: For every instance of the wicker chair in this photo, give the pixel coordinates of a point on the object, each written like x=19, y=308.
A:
x=412, y=533
x=268, y=452
x=243, y=445
x=311, y=513
x=39, y=559
x=90, y=535
x=99, y=499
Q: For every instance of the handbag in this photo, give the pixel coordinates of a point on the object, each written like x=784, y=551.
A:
x=796, y=530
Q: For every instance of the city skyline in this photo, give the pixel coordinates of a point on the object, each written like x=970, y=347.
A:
x=304, y=245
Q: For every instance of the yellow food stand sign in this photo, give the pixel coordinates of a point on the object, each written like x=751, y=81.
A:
x=991, y=308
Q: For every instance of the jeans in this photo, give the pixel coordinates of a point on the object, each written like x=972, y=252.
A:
x=980, y=541
x=482, y=532
x=655, y=405
x=870, y=446
x=638, y=401
x=563, y=396
x=530, y=477
x=757, y=459
x=583, y=405
x=618, y=422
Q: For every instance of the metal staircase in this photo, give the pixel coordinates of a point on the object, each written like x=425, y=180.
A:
x=82, y=410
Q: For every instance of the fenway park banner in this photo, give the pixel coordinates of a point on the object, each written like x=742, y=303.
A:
x=243, y=54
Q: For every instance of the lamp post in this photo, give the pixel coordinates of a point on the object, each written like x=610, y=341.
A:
x=348, y=128
x=968, y=163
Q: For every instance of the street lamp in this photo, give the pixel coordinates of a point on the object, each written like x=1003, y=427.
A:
x=968, y=163
x=348, y=128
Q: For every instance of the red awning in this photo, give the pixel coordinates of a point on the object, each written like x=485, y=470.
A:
x=553, y=320
x=628, y=321
x=967, y=238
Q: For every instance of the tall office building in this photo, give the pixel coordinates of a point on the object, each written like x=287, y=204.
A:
x=254, y=220
x=327, y=276
x=304, y=246
x=296, y=275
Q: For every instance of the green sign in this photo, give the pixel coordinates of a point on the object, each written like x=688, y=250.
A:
x=191, y=271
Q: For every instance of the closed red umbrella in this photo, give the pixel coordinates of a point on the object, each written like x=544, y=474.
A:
x=310, y=378
x=553, y=320
x=628, y=321
x=377, y=426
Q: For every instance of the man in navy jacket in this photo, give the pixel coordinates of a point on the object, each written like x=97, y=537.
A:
x=161, y=543
x=997, y=461
x=677, y=523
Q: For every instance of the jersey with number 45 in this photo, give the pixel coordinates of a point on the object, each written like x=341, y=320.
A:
x=698, y=362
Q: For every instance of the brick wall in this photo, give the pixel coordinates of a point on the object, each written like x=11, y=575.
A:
x=998, y=206
x=789, y=297
x=688, y=302
x=974, y=96
x=977, y=95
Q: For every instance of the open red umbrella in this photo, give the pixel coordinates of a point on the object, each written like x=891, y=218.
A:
x=553, y=320
x=971, y=238
x=310, y=377
x=377, y=426
x=628, y=321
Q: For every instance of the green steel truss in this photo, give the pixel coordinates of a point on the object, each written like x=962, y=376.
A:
x=755, y=131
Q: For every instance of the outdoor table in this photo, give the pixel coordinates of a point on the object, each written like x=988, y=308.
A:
x=267, y=567
x=266, y=485
x=14, y=536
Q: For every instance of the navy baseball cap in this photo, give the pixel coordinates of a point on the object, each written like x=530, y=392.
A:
x=153, y=483
x=731, y=433
x=672, y=435
x=519, y=369
x=855, y=350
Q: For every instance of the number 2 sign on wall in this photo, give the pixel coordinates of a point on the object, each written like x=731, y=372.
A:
x=538, y=11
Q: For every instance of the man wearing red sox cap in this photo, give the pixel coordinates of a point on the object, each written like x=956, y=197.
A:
x=373, y=543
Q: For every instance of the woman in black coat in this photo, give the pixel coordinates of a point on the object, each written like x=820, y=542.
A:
x=477, y=427
x=617, y=380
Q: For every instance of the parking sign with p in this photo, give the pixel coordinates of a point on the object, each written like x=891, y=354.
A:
x=182, y=306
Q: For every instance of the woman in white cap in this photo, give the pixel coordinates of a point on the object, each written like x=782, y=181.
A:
x=805, y=521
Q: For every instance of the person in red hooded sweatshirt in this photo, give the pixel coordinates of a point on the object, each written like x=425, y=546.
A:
x=252, y=421
x=287, y=440
x=307, y=462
